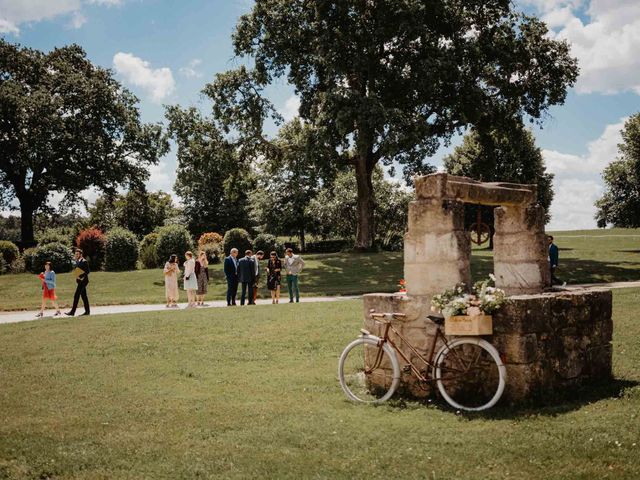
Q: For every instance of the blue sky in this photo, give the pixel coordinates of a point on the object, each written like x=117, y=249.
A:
x=166, y=51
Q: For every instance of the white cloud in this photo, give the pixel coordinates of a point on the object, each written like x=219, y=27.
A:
x=190, y=70
x=291, y=108
x=578, y=183
x=77, y=20
x=158, y=83
x=14, y=13
x=604, y=36
x=161, y=177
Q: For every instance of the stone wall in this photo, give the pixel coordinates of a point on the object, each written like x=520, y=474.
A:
x=551, y=342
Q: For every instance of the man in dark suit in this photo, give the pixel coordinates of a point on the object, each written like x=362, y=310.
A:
x=247, y=276
x=82, y=280
x=554, y=259
x=231, y=272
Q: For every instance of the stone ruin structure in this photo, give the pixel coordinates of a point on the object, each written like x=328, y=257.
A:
x=552, y=341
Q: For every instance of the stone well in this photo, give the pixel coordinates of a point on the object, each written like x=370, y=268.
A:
x=551, y=341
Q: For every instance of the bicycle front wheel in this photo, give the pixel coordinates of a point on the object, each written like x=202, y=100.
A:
x=368, y=372
x=470, y=374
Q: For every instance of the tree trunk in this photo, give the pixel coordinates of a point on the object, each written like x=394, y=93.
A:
x=303, y=244
x=365, y=232
x=26, y=221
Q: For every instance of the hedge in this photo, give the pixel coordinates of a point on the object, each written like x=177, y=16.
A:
x=237, y=238
x=268, y=243
x=58, y=254
x=173, y=239
x=54, y=235
x=149, y=251
x=328, y=246
x=9, y=251
x=122, y=250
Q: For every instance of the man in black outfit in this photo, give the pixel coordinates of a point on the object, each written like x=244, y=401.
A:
x=82, y=281
x=247, y=276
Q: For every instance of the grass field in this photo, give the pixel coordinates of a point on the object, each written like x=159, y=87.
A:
x=252, y=393
x=585, y=256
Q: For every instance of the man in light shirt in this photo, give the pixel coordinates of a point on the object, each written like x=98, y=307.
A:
x=293, y=265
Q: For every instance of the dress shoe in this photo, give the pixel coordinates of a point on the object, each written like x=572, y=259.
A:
x=69, y=314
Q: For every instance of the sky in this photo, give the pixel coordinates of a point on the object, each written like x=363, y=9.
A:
x=166, y=51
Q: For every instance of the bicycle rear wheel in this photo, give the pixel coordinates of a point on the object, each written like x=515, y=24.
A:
x=470, y=374
x=368, y=372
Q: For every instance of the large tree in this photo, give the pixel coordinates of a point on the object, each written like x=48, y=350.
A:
x=211, y=179
x=289, y=178
x=137, y=210
x=620, y=203
x=506, y=154
x=67, y=125
x=387, y=82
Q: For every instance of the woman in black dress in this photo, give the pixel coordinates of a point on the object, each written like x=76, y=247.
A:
x=274, y=266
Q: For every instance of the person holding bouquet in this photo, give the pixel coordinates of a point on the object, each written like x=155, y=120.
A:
x=48, y=278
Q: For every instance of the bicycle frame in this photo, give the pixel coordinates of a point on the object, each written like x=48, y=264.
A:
x=386, y=338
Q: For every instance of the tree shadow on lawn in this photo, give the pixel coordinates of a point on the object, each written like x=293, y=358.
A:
x=573, y=270
x=556, y=405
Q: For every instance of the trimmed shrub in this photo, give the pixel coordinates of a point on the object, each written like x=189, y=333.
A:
x=173, y=239
x=3, y=265
x=122, y=250
x=54, y=235
x=9, y=251
x=149, y=251
x=213, y=251
x=17, y=266
x=93, y=244
x=237, y=238
x=209, y=238
x=58, y=254
x=268, y=243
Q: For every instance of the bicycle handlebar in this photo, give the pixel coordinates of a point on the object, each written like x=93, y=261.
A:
x=387, y=315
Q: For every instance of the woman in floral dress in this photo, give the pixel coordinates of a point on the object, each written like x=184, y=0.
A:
x=171, y=290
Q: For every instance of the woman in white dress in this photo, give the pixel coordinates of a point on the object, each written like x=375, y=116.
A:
x=190, y=280
x=171, y=271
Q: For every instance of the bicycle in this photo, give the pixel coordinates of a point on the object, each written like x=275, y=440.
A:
x=468, y=371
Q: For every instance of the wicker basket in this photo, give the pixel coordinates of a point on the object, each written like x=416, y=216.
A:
x=466, y=325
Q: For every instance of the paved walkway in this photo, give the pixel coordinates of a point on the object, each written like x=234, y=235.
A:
x=23, y=316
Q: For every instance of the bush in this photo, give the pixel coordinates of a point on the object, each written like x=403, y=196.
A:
x=149, y=251
x=93, y=244
x=122, y=250
x=237, y=238
x=9, y=251
x=3, y=265
x=17, y=266
x=328, y=246
x=213, y=251
x=173, y=239
x=57, y=253
x=294, y=245
x=268, y=243
x=209, y=238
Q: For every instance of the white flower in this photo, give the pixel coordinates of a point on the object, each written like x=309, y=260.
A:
x=492, y=277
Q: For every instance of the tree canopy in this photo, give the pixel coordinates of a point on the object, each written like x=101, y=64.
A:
x=67, y=125
x=620, y=203
x=387, y=82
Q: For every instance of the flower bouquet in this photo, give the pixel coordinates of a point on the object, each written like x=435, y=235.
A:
x=403, y=286
x=469, y=312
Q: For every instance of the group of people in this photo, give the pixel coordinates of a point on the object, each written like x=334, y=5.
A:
x=244, y=272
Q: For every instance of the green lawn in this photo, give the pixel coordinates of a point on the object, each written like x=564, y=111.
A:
x=585, y=257
x=252, y=393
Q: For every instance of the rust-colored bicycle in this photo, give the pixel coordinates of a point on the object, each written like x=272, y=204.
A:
x=468, y=371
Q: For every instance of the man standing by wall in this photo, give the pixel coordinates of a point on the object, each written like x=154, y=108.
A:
x=82, y=280
x=231, y=272
x=554, y=258
x=247, y=276
x=294, y=265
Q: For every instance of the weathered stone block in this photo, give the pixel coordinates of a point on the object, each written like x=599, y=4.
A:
x=520, y=247
x=517, y=348
x=519, y=219
x=452, y=246
x=516, y=278
x=429, y=279
x=435, y=215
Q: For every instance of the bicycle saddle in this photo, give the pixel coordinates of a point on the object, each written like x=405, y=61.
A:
x=435, y=318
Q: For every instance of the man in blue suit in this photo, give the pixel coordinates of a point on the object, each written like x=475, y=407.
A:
x=554, y=259
x=231, y=272
x=247, y=276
